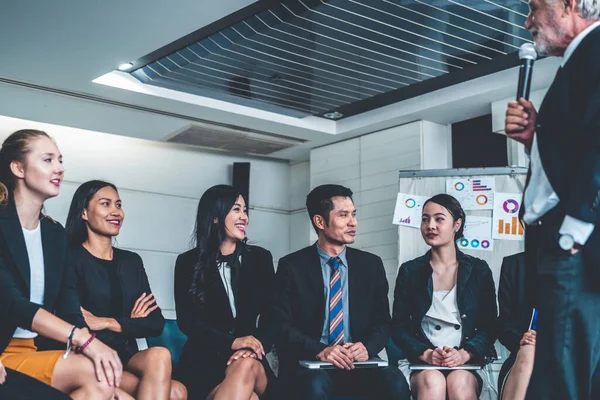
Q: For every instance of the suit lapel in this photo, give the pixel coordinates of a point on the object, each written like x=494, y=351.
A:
x=53, y=247
x=464, y=273
x=15, y=241
x=354, y=285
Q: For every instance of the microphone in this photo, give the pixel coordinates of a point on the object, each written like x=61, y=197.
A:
x=527, y=55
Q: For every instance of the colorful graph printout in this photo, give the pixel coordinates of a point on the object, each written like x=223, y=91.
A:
x=478, y=234
x=474, y=193
x=408, y=210
x=506, y=223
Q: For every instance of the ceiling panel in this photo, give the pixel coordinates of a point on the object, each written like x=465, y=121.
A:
x=339, y=58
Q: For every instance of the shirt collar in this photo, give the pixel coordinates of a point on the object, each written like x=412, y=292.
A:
x=324, y=257
x=575, y=42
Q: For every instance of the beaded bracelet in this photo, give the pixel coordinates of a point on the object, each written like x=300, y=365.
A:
x=80, y=349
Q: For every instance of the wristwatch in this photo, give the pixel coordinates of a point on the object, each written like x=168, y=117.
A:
x=566, y=242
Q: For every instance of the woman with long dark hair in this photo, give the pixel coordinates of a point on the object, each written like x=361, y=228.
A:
x=221, y=287
x=36, y=282
x=116, y=299
x=445, y=308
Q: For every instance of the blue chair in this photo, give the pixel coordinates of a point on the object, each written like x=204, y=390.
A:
x=394, y=353
x=171, y=338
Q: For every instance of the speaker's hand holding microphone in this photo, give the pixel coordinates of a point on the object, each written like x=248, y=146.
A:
x=521, y=115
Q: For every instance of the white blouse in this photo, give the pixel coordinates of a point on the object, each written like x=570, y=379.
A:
x=441, y=324
x=225, y=274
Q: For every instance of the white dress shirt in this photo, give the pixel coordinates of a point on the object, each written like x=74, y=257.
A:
x=540, y=197
x=225, y=274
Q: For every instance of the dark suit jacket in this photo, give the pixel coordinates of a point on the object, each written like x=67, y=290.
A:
x=515, y=305
x=515, y=309
x=94, y=294
x=60, y=284
x=212, y=328
x=567, y=130
x=300, y=304
x=476, y=297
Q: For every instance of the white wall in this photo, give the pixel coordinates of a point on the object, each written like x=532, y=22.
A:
x=300, y=226
x=369, y=166
x=160, y=185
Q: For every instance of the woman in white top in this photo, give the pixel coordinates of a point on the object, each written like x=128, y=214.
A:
x=445, y=308
x=35, y=282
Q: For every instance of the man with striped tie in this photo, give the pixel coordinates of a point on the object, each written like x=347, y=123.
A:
x=332, y=302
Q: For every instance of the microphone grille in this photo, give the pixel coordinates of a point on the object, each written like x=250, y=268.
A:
x=527, y=51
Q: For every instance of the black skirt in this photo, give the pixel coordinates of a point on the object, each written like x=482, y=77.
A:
x=202, y=370
x=447, y=372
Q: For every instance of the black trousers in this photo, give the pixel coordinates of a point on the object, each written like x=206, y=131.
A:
x=19, y=386
x=568, y=326
x=364, y=383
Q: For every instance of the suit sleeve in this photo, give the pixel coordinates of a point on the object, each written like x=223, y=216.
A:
x=480, y=344
x=306, y=347
x=584, y=197
x=411, y=346
x=190, y=319
x=67, y=303
x=150, y=326
x=13, y=305
x=508, y=332
x=267, y=326
x=379, y=332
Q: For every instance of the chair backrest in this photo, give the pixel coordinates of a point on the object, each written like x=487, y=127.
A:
x=394, y=353
x=172, y=338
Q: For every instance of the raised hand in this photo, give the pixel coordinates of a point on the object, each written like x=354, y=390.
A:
x=528, y=339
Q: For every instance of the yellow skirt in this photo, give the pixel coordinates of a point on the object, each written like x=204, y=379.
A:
x=22, y=355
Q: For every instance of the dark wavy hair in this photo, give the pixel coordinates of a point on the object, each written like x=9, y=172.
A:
x=214, y=204
x=76, y=226
x=454, y=208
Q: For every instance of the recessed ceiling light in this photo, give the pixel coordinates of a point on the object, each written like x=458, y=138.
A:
x=333, y=115
x=125, y=67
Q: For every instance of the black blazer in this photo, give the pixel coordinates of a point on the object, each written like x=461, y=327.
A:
x=212, y=326
x=567, y=131
x=93, y=288
x=300, y=304
x=60, y=284
x=515, y=310
x=515, y=306
x=476, y=297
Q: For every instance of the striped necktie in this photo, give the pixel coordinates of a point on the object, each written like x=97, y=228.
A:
x=336, y=313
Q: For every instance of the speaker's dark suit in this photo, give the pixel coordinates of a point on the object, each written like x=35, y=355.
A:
x=568, y=136
x=300, y=307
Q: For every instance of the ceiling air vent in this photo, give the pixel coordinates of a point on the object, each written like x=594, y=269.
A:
x=232, y=139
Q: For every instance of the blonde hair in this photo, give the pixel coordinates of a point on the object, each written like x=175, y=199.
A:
x=15, y=148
